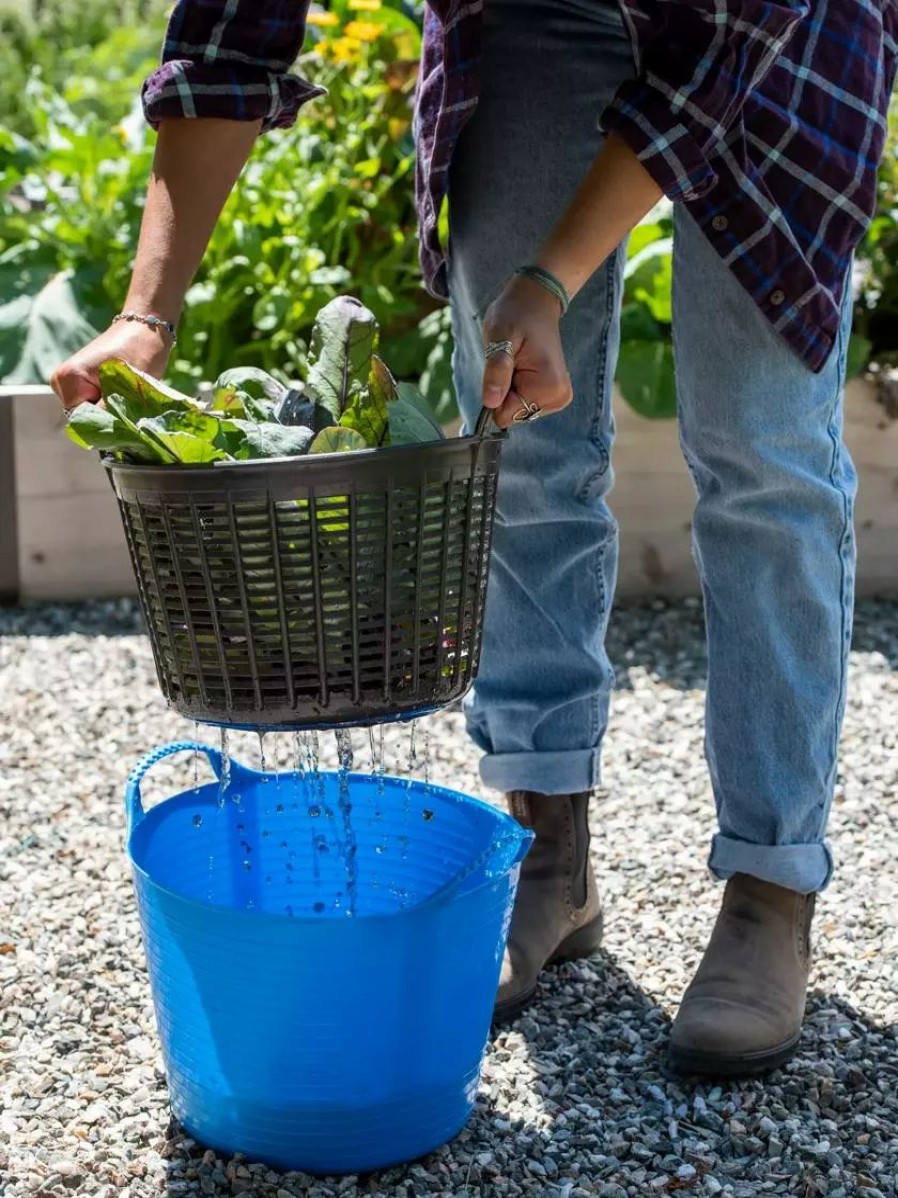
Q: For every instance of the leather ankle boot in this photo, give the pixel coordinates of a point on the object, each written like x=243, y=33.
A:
x=743, y=1012
x=557, y=916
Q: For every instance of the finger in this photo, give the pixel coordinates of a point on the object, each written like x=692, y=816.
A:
x=75, y=385
x=497, y=374
x=525, y=394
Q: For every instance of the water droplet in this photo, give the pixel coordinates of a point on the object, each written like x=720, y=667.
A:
x=265, y=833
x=197, y=821
x=380, y=848
x=314, y=812
x=427, y=815
x=318, y=908
x=289, y=911
x=280, y=809
x=247, y=866
x=241, y=827
x=283, y=844
x=268, y=880
x=292, y=854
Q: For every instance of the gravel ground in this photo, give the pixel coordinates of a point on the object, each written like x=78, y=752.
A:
x=576, y=1098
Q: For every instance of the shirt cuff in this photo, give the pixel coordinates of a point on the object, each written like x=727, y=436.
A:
x=667, y=148
x=183, y=88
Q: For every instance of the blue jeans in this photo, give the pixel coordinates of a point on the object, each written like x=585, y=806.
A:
x=761, y=434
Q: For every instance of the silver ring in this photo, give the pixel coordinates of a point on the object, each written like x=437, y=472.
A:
x=499, y=347
x=530, y=411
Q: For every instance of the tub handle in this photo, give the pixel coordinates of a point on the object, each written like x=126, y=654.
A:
x=133, y=806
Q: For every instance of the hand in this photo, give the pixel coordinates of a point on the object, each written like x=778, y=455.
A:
x=526, y=315
x=76, y=381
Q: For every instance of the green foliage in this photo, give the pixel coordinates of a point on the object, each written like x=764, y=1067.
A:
x=323, y=208
x=876, y=314
x=251, y=415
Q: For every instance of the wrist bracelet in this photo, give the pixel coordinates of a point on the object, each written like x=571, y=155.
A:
x=547, y=280
x=154, y=322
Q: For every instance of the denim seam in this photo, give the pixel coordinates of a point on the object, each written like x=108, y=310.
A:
x=844, y=540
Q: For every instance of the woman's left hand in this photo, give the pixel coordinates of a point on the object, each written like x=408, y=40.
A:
x=528, y=316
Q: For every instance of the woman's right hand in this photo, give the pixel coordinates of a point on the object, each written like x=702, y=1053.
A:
x=77, y=381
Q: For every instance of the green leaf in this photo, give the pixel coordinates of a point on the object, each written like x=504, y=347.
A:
x=859, y=351
x=271, y=440
x=338, y=440
x=638, y=324
x=39, y=331
x=648, y=277
x=232, y=387
x=93, y=427
x=343, y=340
x=367, y=413
x=409, y=425
x=190, y=438
x=142, y=396
x=645, y=375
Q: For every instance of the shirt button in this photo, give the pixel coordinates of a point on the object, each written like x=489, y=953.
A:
x=719, y=224
x=777, y=297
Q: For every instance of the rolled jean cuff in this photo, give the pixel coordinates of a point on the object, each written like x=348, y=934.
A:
x=558, y=773
x=802, y=867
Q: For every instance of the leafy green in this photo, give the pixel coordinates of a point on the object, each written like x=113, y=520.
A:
x=272, y=440
x=93, y=427
x=191, y=438
x=409, y=425
x=356, y=404
x=343, y=340
x=338, y=440
x=247, y=391
x=141, y=394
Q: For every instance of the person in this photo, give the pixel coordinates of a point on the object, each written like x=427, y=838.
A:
x=554, y=126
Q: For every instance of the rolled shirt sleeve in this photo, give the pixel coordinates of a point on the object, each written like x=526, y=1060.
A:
x=231, y=59
x=697, y=61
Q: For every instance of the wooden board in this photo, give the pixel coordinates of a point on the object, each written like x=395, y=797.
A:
x=70, y=539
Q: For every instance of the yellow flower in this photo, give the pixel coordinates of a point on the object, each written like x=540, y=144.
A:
x=325, y=20
x=343, y=49
x=363, y=31
x=364, y=5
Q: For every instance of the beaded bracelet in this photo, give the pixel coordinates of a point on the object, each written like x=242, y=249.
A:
x=154, y=322
x=547, y=280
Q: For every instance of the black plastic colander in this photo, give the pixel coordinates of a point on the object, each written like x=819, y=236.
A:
x=315, y=591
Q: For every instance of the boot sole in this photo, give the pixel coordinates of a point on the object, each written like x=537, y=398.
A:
x=694, y=1062
x=584, y=942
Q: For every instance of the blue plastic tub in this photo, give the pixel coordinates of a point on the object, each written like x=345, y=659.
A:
x=291, y=1030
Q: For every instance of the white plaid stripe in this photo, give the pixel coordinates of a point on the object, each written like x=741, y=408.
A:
x=230, y=11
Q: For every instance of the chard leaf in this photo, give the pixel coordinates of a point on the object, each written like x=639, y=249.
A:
x=270, y=440
x=381, y=383
x=189, y=437
x=93, y=427
x=338, y=440
x=367, y=413
x=343, y=340
x=233, y=388
x=410, y=426
x=141, y=395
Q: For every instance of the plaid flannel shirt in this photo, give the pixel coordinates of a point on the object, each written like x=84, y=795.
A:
x=767, y=117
